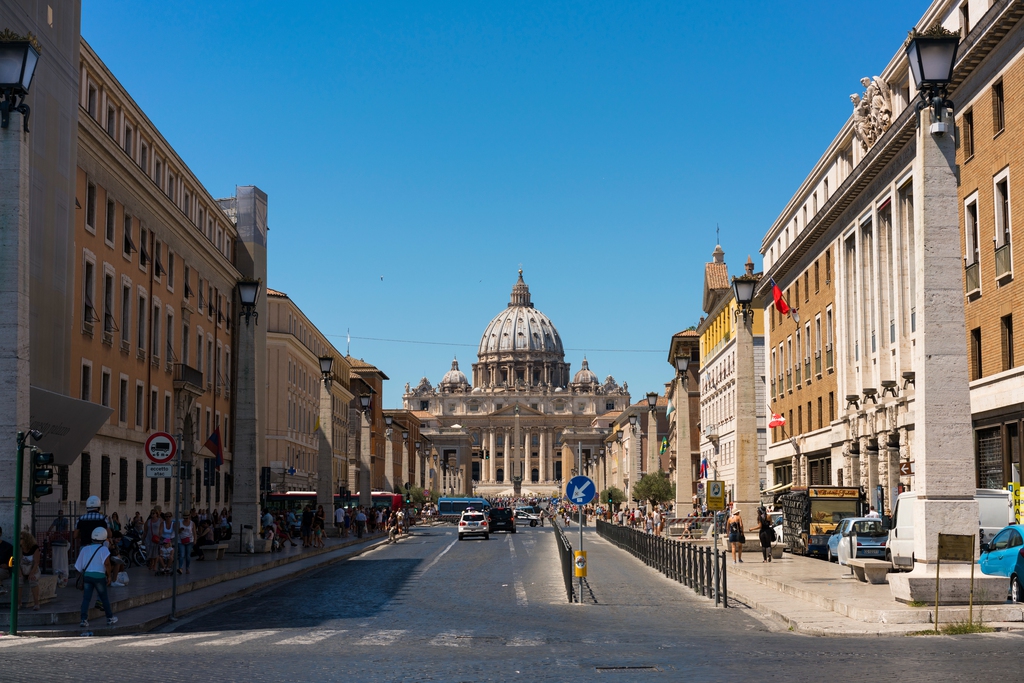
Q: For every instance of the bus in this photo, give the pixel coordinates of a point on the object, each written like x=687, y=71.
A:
x=456, y=506
x=297, y=500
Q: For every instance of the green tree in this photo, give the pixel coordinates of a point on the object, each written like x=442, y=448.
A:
x=615, y=493
x=655, y=487
x=419, y=497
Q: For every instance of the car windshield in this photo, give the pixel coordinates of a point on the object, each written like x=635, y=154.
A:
x=473, y=518
x=872, y=528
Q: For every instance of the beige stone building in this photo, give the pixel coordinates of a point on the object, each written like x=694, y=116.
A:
x=294, y=395
x=511, y=421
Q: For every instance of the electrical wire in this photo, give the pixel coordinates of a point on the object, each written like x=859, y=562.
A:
x=473, y=346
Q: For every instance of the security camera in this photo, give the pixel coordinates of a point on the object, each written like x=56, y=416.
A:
x=939, y=128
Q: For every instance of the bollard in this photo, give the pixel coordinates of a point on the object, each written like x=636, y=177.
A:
x=725, y=586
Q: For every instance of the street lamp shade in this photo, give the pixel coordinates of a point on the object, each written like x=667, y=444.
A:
x=326, y=364
x=405, y=436
x=682, y=363
x=652, y=399
x=388, y=420
x=18, y=59
x=743, y=287
x=632, y=420
x=248, y=292
x=364, y=401
x=600, y=451
x=932, y=56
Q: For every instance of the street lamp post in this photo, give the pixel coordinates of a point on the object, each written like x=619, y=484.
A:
x=638, y=455
x=405, y=460
x=365, y=497
x=419, y=464
x=747, y=489
x=325, y=487
x=389, y=456
x=18, y=58
x=652, y=432
x=943, y=441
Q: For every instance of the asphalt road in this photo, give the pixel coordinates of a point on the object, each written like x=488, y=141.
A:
x=432, y=608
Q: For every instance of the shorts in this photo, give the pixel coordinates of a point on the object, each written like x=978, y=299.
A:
x=30, y=581
x=734, y=537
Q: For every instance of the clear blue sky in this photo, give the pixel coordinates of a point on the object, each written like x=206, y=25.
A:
x=440, y=145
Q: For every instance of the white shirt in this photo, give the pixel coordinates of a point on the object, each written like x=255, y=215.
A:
x=874, y=514
x=91, y=559
x=339, y=515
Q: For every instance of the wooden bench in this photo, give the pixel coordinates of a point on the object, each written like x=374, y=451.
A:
x=869, y=571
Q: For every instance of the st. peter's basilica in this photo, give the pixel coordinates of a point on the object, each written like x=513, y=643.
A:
x=521, y=422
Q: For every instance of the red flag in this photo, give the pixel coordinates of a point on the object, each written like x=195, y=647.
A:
x=780, y=303
x=777, y=420
x=213, y=444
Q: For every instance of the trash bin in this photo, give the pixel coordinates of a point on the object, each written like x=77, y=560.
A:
x=60, y=561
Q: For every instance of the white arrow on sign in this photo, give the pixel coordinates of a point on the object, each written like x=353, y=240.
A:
x=580, y=492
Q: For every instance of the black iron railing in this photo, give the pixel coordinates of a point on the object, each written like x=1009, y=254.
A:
x=696, y=566
x=565, y=559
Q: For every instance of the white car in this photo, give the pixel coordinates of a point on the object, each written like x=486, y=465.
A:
x=528, y=516
x=474, y=523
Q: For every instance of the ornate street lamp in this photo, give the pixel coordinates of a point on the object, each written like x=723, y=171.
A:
x=326, y=364
x=248, y=293
x=387, y=422
x=18, y=58
x=932, y=56
x=682, y=364
x=405, y=437
x=364, y=402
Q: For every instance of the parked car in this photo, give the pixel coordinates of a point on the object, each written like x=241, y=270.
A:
x=995, y=511
x=871, y=536
x=777, y=525
x=1004, y=556
x=474, y=523
x=502, y=519
x=527, y=515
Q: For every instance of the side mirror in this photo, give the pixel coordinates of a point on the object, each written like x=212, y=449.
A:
x=985, y=547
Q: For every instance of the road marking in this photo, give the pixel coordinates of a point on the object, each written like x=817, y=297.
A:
x=518, y=580
x=168, y=640
x=440, y=556
x=381, y=637
x=452, y=639
x=310, y=638
x=525, y=641
x=240, y=638
x=8, y=641
x=85, y=641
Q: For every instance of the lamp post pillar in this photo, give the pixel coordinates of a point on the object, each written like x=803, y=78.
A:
x=389, y=463
x=652, y=440
x=325, y=488
x=365, y=499
x=747, y=486
x=945, y=468
x=684, y=474
x=14, y=321
x=405, y=462
x=506, y=473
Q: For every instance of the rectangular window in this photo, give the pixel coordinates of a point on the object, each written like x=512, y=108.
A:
x=156, y=331
x=169, y=334
x=144, y=158
x=86, y=383
x=831, y=406
x=104, y=478
x=976, y=353
x=122, y=480
x=90, y=207
x=799, y=419
x=122, y=402
x=829, y=355
x=108, y=303
x=141, y=340
x=184, y=344
x=139, y=404
x=85, y=490
x=965, y=19
x=821, y=422
x=143, y=247
x=170, y=270
x=153, y=483
x=128, y=140
x=153, y=405
x=167, y=490
x=1002, y=199
x=167, y=413
x=109, y=235
x=1006, y=329
x=111, y=124
x=91, y=102
x=129, y=245
x=88, y=311
x=828, y=267
x=998, y=108
x=105, y=388
x=126, y=312
x=967, y=134
x=140, y=479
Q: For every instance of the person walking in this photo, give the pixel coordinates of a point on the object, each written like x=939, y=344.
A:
x=736, y=537
x=94, y=566
x=339, y=521
x=360, y=522
x=30, y=570
x=152, y=536
x=765, y=534
x=186, y=539
x=92, y=519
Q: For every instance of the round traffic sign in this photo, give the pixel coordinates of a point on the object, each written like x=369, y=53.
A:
x=161, y=447
x=580, y=490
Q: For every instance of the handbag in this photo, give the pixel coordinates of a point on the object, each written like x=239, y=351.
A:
x=80, y=581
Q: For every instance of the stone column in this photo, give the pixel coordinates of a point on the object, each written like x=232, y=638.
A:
x=14, y=308
x=525, y=462
x=389, y=462
x=872, y=473
x=853, y=464
x=418, y=466
x=684, y=474
x=518, y=453
x=748, y=488
x=325, y=488
x=365, y=482
x=945, y=466
x=543, y=456
x=795, y=464
x=405, y=463
x=653, y=458
x=505, y=456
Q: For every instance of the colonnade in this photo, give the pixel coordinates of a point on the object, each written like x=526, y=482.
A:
x=518, y=461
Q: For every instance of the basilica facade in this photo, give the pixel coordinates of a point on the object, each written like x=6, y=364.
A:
x=524, y=418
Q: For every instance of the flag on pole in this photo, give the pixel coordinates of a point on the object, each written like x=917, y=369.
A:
x=780, y=303
x=703, y=469
x=316, y=426
x=664, y=445
x=777, y=421
x=213, y=445
x=670, y=409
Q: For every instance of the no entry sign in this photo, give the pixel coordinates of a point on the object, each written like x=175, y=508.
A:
x=161, y=447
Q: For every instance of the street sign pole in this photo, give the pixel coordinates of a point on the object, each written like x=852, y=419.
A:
x=174, y=525
x=579, y=468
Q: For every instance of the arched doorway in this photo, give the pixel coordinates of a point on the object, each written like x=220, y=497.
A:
x=534, y=475
x=501, y=475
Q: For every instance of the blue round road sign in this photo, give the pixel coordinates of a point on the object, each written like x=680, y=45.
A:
x=580, y=490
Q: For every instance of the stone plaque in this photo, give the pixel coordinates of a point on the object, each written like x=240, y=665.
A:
x=956, y=547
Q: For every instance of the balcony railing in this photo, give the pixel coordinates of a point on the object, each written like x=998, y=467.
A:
x=798, y=374
x=789, y=380
x=828, y=357
x=773, y=389
x=807, y=369
x=817, y=363
x=1003, y=261
x=188, y=375
x=972, y=278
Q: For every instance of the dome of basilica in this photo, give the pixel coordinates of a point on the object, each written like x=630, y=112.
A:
x=585, y=375
x=454, y=377
x=521, y=328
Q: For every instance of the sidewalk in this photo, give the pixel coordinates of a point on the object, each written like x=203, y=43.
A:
x=145, y=602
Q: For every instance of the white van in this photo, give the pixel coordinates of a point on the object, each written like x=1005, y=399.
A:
x=995, y=508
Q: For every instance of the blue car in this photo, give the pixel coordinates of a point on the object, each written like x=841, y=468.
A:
x=871, y=537
x=1004, y=556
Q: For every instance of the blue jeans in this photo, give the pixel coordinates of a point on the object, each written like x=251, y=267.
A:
x=185, y=555
x=100, y=586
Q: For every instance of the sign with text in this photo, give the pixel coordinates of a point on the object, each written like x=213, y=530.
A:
x=159, y=471
x=716, y=496
x=956, y=547
x=821, y=492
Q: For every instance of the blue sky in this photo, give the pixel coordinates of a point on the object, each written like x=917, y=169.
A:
x=415, y=154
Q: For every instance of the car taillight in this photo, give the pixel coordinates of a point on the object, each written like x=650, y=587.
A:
x=462, y=524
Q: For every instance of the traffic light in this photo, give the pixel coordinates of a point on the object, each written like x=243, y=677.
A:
x=42, y=473
x=611, y=501
x=264, y=479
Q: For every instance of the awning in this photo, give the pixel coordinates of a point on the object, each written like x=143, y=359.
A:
x=778, y=489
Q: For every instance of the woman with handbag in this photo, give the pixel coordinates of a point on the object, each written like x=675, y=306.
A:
x=93, y=565
x=29, y=568
x=736, y=535
x=765, y=534
x=152, y=536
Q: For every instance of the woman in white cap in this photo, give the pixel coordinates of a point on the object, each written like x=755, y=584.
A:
x=93, y=564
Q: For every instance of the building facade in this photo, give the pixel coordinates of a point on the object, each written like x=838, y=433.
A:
x=844, y=250
x=512, y=418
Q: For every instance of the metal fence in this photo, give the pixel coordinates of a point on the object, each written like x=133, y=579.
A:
x=695, y=566
x=565, y=558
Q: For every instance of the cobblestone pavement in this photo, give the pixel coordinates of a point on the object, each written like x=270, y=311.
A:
x=432, y=608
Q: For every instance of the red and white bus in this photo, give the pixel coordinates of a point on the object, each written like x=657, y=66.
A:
x=297, y=500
